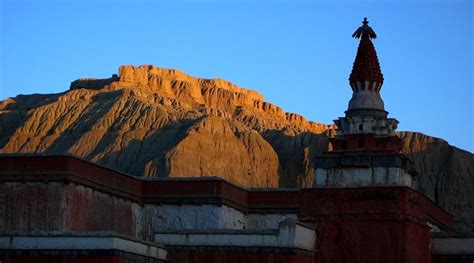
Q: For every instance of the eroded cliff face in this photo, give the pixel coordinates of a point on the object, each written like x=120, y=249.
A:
x=149, y=121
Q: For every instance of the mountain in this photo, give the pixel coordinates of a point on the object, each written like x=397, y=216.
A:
x=149, y=121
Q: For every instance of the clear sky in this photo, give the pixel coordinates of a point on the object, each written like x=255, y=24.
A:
x=298, y=54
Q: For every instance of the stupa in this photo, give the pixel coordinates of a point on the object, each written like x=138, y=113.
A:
x=365, y=150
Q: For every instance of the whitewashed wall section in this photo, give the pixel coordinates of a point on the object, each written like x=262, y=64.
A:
x=169, y=217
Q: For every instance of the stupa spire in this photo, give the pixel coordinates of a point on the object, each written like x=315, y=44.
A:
x=366, y=78
x=365, y=151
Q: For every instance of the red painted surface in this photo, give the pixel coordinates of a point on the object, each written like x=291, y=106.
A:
x=28, y=207
x=195, y=190
x=366, y=65
x=63, y=167
x=56, y=206
x=369, y=224
x=371, y=143
x=95, y=211
x=279, y=201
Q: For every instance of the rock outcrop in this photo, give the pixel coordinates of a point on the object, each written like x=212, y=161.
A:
x=149, y=121
x=446, y=175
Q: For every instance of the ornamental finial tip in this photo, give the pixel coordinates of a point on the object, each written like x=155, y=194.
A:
x=364, y=31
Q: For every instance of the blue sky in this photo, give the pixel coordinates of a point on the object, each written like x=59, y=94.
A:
x=298, y=54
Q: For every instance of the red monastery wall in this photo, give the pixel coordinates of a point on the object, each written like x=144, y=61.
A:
x=386, y=224
x=43, y=206
x=383, y=224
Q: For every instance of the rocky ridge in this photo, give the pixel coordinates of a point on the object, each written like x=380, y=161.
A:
x=150, y=121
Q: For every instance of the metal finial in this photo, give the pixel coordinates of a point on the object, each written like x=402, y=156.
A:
x=364, y=31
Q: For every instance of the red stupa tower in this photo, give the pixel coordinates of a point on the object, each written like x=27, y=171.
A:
x=365, y=150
